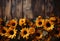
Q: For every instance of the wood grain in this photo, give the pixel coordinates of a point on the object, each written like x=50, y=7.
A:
x=31, y=8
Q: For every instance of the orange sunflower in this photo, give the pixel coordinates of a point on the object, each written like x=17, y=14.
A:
x=11, y=33
x=53, y=20
x=57, y=32
x=12, y=22
x=40, y=23
x=24, y=33
x=22, y=21
x=39, y=17
x=28, y=22
x=31, y=30
x=58, y=35
x=39, y=35
x=3, y=31
x=47, y=25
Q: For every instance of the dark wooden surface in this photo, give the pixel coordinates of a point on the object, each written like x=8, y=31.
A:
x=31, y=8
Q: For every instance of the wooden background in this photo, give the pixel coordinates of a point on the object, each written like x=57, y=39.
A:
x=27, y=8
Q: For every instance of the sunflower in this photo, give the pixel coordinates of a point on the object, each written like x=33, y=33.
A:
x=22, y=21
x=28, y=22
x=31, y=30
x=40, y=23
x=11, y=33
x=53, y=20
x=12, y=22
x=39, y=35
x=24, y=33
x=3, y=31
x=58, y=34
x=39, y=17
x=47, y=25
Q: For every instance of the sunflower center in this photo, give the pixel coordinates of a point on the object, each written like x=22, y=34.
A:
x=13, y=24
x=11, y=32
x=3, y=31
x=25, y=32
x=37, y=34
x=21, y=21
x=48, y=24
x=8, y=26
x=40, y=23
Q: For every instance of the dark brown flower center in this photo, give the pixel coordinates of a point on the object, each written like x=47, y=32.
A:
x=11, y=32
x=3, y=31
x=13, y=24
x=8, y=26
x=48, y=24
x=40, y=23
x=25, y=32
x=21, y=21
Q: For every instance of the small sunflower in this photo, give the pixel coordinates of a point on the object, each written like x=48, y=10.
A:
x=11, y=33
x=31, y=30
x=39, y=17
x=40, y=23
x=12, y=22
x=24, y=33
x=28, y=22
x=53, y=20
x=39, y=35
x=22, y=21
x=3, y=31
x=48, y=26
x=58, y=34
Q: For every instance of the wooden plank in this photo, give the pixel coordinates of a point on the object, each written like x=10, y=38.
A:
x=8, y=10
x=27, y=9
x=18, y=9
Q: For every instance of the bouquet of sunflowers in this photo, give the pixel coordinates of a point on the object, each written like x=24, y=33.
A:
x=24, y=29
